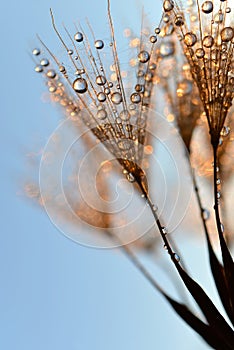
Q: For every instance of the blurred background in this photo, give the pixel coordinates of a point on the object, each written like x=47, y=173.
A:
x=54, y=293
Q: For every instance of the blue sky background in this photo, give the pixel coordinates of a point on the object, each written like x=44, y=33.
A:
x=55, y=294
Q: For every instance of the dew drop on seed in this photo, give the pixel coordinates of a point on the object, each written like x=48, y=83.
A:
x=116, y=98
x=135, y=98
x=36, y=52
x=99, y=44
x=168, y=5
x=153, y=39
x=45, y=62
x=207, y=7
x=200, y=53
x=51, y=74
x=130, y=177
x=227, y=34
x=39, y=68
x=80, y=85
x=101, y=97
x=124, y=115
x=205, y=214
x=100, y=80
x=62, y=69
x=101, y=114
x=167, y=49
x=225, y=131
x=179, y=20
x=144, y=56
x=78, y=37
x=190, y=39
x=208, y=41
x=157, y=30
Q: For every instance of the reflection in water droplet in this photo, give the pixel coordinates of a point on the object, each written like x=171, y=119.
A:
x=208, y=41
x=36, y=52
x=99, y=44
x=39, y=68
x=200, y=53
x=124, y=115
x=136, y=98
x=101, y=97
x=176, y=257
x=78, y=37
x=227, y=34
x=144, y=56
x=116, y=98
x=45, y=62
x=190, y=39
x=101, y=114
x=51, y=74
x=168, y=5
x=80, y=85
x=100, y=80
x=206, y=214
x=167, y=49
x=207, y=7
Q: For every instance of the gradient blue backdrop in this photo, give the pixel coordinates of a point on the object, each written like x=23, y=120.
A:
x=55, y=294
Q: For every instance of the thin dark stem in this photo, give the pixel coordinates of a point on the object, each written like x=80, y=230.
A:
x=223, y=245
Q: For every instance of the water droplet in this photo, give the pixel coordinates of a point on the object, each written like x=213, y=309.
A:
x=153, y=39
x=101, y=97
x=157, y=30
x=116, y=98
x=167, y=49
x=207, y=7
x=190, y=39
x=135, y=97
x=99, y=44
x=164, y=230
x=45, y=62
x=124, y=115
x=222, y=227
x=144, y=56
x=39, y=68
x=62, y=69
x=176, y=257
x=51, y=74
x=225, y=131
x=101, y=114
x=205, y=214
x=200, y=53
x=130, y=177
x=218, y=195
x=208, y=41
x=168, y=5
x=218, y=182
x=165, y=247
x=110, y=84
x=80, y=85
x=227, y=34
x=78, y=37
x=179, y=20
x=36, y=52
x=70, y=52
x=100, y=80
x=107, y=91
